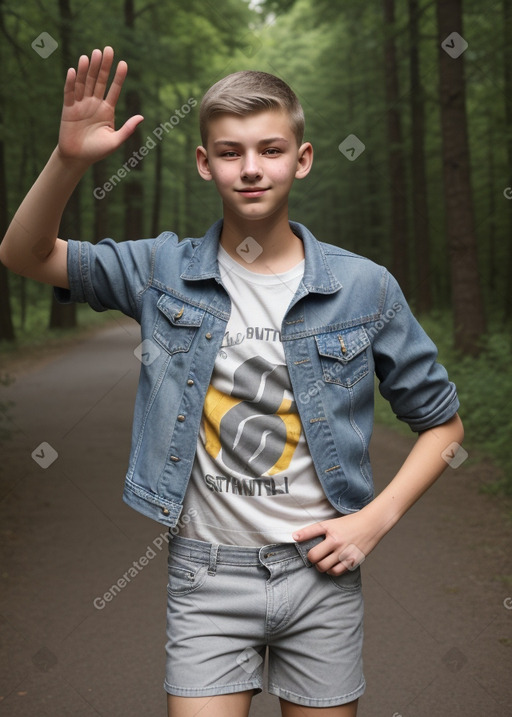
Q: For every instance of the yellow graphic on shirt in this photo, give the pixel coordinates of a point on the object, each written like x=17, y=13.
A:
x=256, y=427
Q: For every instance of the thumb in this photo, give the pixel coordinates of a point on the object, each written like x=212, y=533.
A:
x=310, y=531
x=129, y=128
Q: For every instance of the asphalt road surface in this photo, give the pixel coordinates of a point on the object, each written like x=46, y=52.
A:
x=438, y=589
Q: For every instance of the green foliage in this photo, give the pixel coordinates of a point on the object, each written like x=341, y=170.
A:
x=331, y=52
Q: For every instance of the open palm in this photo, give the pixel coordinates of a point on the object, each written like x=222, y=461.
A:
x=87, y=130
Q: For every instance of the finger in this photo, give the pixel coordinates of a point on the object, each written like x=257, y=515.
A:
x=107, y=58
x=69, y=87
x=81, y=75
x=328, y=563
x=351, y=556
x=92, y=73
x=347, y=559
x=117, y=84
x=310, y=531
x=338, y=569
x=320, y=552
x=128, y=128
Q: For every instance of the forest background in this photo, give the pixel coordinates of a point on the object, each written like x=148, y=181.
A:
x=409, y=108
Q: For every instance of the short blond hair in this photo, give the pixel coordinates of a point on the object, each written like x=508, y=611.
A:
x=249, y=91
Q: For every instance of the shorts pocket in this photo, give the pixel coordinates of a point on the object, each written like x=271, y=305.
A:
x=185, y=578
x=349, y=581
x=343, y=355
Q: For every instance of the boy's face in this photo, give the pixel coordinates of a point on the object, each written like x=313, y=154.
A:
x=253, y=161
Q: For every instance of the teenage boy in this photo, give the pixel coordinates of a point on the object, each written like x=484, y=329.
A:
x=254, y=409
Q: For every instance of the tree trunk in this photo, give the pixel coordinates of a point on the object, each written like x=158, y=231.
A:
x=399, y=238
x=356, y=190
x=100, y=229
x=63, y=316
x=420, y=216
x=492, y=267
x=373, y=246
x=468, y=310
x=507, y=70
x=6, y=324
x=133, y=185
x=157, y=189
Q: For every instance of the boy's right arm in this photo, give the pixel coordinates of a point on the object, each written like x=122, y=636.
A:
x=87, y=134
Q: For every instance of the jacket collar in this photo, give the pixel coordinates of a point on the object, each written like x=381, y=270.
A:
x=318, y=277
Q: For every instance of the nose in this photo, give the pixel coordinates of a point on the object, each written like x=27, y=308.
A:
x=251, y=168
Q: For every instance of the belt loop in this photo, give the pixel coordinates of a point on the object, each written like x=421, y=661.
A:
x=212, y=567
x=303, y=552
x=304, y=548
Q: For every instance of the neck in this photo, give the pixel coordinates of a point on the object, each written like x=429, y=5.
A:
x=266, y=246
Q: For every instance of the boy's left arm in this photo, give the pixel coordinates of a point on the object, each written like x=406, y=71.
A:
x=350, y=538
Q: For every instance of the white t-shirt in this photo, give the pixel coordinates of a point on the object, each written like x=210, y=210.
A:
x=253, y=480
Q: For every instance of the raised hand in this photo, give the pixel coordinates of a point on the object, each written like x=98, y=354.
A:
x=87, y=131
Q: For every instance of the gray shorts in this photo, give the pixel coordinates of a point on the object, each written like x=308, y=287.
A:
x=227, y=604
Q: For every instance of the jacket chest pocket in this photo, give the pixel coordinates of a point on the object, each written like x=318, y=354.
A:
x=177, y=324
x=343, y=355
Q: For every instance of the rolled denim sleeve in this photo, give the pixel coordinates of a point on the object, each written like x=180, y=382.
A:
x=411, y=379
x=109, y=275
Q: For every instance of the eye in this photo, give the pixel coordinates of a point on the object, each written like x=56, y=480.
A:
x=272, y=151
x=229, y=154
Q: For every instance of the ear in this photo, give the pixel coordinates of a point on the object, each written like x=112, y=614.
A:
x=304, y=160
x=203, y=166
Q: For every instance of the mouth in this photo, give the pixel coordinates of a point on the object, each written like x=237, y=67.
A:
x=252, y=192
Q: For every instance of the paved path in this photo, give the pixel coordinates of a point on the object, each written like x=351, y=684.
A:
x=438, y=631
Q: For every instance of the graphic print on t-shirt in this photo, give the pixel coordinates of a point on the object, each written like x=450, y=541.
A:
x=255, y=429
x=253, y=481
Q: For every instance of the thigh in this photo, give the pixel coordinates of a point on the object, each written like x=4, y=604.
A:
x=215, y=628
x=234, y=705
x=316, y=660
x=288, y=709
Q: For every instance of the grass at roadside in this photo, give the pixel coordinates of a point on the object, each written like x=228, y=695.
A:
x=35, y=340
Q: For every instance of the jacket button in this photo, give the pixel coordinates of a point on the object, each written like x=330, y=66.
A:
x=165, y=511
x=208, y=335
x=181, y=418
x=174, y=458
x=190, y=382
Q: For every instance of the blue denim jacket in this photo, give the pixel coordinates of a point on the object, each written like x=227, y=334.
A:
x=347, y=321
